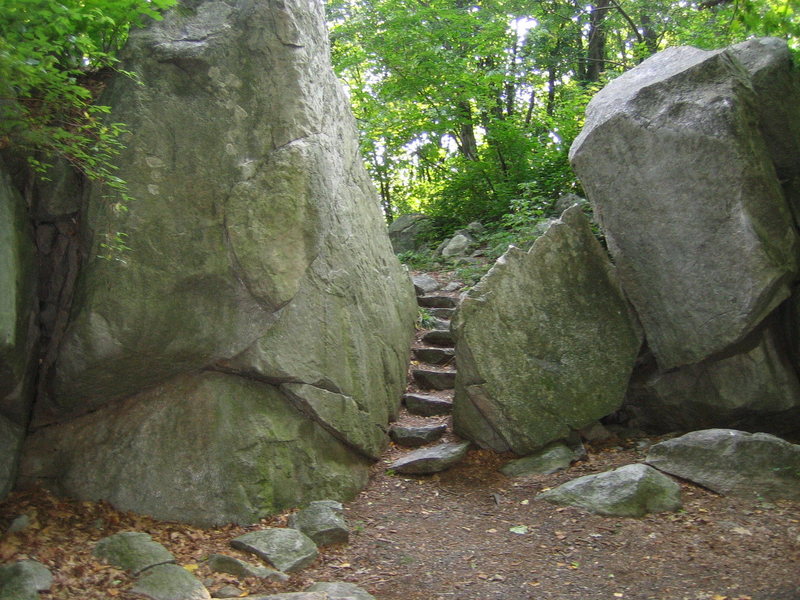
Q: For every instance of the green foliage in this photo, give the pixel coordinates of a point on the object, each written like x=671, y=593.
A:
x=425, y=320
x=50, y=55
x=421, y=260
x=465, y=107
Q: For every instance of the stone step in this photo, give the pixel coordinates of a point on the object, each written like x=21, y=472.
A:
x=440, y=324
x=443, y=313
x=437, y=301
x=438, y=337
x=431, y=460
x=427, y=406
x=430, y=379
x=411, y=437
x=435, y=356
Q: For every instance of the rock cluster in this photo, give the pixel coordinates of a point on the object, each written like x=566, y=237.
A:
x=726, y=461
x=158, y=577
x=691, y=162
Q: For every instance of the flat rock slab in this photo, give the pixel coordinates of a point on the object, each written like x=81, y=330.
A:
x=323, y=522
x=427, y=406
x=170, y=582
x=732, y=462
x=287, y=549
x=339, y=590
x=551, y=458
x=132, y=551
x=23, y=580
x=437, y=301
x=412, y=437
x=435, y=356
x=630, y=491
x=221, y=563
x=438, y=337
x=431, y=460
x=434, y=380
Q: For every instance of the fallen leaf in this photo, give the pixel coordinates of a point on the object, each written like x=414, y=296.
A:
x=519, y=529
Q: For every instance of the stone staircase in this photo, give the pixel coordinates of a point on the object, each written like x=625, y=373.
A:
x=428, y=400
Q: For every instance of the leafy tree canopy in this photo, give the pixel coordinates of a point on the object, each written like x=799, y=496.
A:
x=50, y=54
x=468, y=108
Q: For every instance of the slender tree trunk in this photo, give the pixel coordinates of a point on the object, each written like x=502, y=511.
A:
x=468, y=145
x=596, y=49
x=649, y=34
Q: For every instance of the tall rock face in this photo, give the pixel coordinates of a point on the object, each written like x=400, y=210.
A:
x=691, y=161
x=17, y=327
x=260, y=283
x=545, y=342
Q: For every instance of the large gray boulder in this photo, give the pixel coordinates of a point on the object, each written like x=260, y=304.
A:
x=684, y=186
x=731, y=462
x=545, y=342
x=205, y=449
x=258, y=251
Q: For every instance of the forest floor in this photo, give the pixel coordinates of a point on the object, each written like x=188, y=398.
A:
x=468, y=533
x=448, y=536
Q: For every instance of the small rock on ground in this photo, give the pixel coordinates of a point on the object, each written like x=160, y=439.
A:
x=338, y=590
x=323, y=522
x=170, y=582
x=132, y=551
x=630, y=491
x=221, y=563
x=551, y=458
x=228, y=591
x=23, y=580
x=287, y=549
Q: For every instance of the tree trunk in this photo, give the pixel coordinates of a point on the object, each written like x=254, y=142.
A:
x=596, y=51
x=468, y=145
